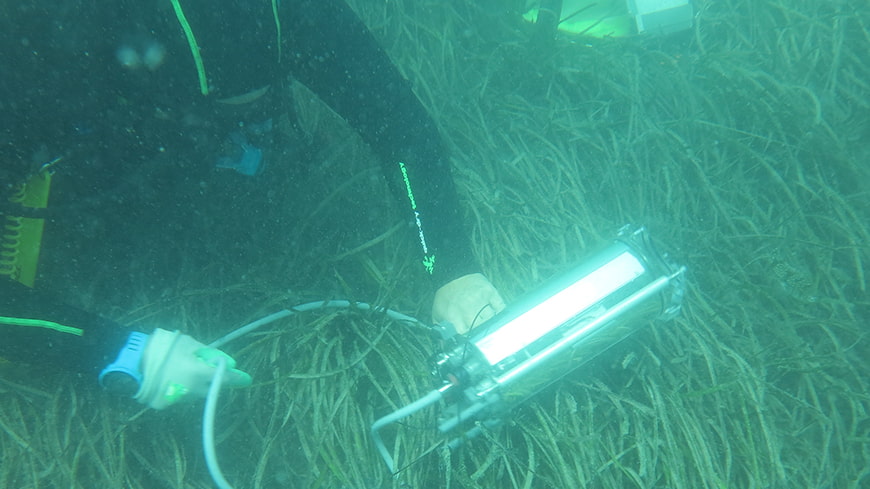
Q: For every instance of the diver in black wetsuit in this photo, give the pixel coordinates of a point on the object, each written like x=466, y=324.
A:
x=61, y=83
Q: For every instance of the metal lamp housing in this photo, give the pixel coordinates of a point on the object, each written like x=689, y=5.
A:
x=556, y=329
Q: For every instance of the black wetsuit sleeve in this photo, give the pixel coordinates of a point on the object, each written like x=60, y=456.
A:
x=86, y=345
x=335, y=55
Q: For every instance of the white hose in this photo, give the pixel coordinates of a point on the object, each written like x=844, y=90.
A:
x=307, y=307
x=250, y=327
x=208, y=426
x=427, y=400
x=211, y=399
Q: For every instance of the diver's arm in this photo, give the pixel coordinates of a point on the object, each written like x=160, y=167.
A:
x=158, y=369
x=54, y=334
x=337, y=57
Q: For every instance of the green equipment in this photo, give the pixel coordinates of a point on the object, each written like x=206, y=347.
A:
x=620, y=18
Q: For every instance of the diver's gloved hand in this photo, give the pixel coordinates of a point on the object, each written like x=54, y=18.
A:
x=466, y=302
x=176, y=367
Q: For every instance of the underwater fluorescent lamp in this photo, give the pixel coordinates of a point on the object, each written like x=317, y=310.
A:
x=549, y=333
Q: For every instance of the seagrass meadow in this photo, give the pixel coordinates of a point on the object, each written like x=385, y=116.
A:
x=744, y=147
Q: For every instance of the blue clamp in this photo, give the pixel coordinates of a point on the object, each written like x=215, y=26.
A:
x=128, y=358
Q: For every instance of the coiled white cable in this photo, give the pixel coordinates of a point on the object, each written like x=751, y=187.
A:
x=211, y=399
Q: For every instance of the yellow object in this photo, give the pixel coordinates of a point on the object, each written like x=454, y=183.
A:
x=21, y=237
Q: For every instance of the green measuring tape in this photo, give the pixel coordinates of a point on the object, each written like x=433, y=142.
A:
x=428, y=260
